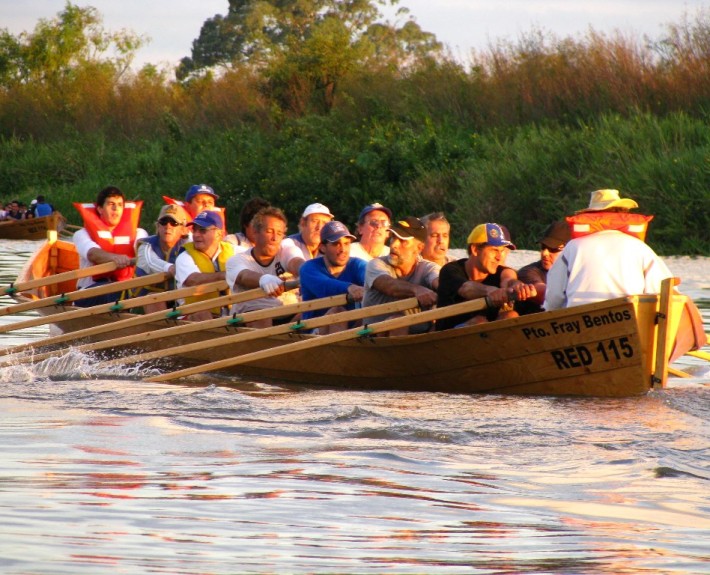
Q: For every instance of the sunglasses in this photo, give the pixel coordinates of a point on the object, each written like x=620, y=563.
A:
x=551, y=250
x=168, y=222
x=379, y=224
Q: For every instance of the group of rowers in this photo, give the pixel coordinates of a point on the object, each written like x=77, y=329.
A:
x=598, y=253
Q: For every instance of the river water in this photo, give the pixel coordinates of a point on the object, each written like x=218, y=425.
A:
x=111, y=474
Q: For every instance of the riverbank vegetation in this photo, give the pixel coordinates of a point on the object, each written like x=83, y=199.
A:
x=520, y=134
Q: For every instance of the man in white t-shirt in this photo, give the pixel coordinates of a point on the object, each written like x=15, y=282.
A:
x=273, y=259
x=604, y=264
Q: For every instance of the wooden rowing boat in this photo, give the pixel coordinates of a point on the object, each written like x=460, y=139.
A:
x=31, y=228
x=605, y=349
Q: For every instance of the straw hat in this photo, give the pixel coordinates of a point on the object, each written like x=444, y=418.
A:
x=601, y=200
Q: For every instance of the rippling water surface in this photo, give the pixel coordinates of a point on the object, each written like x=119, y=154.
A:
x=105, y=473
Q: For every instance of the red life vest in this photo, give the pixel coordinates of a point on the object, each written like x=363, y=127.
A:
x=586, y=223
x=222, y=211
x=120, y=240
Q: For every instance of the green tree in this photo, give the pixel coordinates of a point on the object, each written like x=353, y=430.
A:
x=57, y=48
x=304, y=48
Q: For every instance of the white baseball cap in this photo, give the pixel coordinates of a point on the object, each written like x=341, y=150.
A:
x=316, y=209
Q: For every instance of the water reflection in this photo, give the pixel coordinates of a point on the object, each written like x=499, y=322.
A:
x=104, y=473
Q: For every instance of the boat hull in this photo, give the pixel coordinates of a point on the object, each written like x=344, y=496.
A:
x=31, y=228
x=604, y=349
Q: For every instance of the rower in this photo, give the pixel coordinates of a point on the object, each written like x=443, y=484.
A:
x=332, y=274
x=273, y=259
x=552, y=242
x=314, y=217
x=157, y=253
x=606, y=257
x=482, y=275
x=109, y=235
x=373, y=226
x=204, y=260
x=402, y=273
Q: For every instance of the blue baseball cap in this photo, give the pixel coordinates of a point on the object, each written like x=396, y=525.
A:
x=199, y=189
x=371, y=208
x=207, y=219
x=333, y=231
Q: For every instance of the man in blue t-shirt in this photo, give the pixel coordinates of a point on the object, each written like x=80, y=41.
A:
x=333, y=274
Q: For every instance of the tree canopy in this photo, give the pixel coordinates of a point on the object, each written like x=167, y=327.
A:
x=57, y=48
x=304, y=48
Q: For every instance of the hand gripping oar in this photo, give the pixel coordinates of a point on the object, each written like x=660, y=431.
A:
x=192, y=327
x=169, y=315
x=103, y=289
x=260, y=333
x=58, y=278
x=318, y=341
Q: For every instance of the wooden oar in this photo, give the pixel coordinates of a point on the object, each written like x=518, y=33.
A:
x=103, y=289
x=122, y=305
x=58, y=278
x=360, y=313
x=168, y=315
x=318, y=341
x=220, y=322
x=677, y=372
x=699, y=354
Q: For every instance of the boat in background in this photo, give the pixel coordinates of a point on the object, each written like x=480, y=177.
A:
x=615, y=348
x=32, y=228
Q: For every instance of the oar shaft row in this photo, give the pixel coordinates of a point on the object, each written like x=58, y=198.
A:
x=310, y=343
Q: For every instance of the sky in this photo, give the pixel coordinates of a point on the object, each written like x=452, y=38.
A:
x=462, y=25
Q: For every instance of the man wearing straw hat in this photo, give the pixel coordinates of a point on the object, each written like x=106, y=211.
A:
x=608, y=260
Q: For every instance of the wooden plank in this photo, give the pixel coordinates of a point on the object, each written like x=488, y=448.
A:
x=662, y=343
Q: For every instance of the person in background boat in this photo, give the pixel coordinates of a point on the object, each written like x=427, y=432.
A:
x=14, y=211
x=553, y=240
x=109, y=235
x=373, y=229
x=157, y=253
x=607, y=262
x=314, y=217
x=203, y=260
x=402, y=273
x=271, y=261
x=333, y=274
x=3, y=211
x=41, y=208
x=482, y=275
x=244, y=239
x=436, y=247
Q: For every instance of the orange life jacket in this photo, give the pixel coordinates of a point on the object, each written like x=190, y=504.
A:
x=222, y=211
x=120, y=240
x=586, y=223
